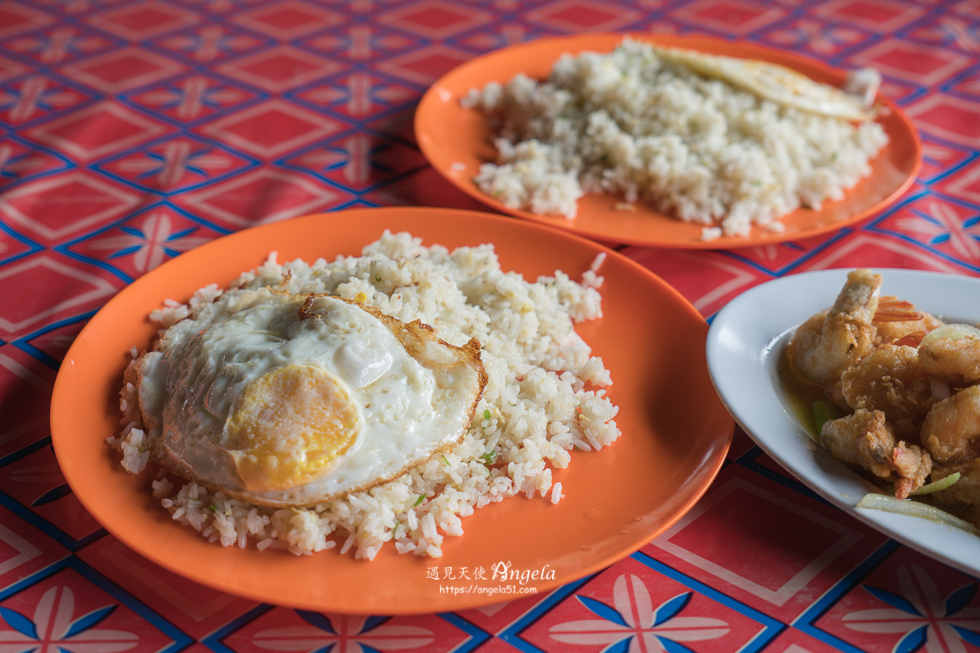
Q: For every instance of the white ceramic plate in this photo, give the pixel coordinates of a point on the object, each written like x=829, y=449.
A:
x=744, y=345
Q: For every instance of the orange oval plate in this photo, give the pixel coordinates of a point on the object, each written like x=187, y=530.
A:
x=456, y=141
x=675, y=430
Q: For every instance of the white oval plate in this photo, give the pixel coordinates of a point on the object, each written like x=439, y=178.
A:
x=745, y=342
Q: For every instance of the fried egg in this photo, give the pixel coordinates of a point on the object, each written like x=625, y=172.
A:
x=292, y=400
x=784, y=85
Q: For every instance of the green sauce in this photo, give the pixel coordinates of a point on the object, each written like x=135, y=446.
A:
x=800, y=394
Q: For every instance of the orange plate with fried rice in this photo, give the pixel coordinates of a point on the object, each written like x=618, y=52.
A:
x=616, y=500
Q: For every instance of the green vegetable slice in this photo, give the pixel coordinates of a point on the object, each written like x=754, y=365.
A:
x=915, y=509
x=936, y=486
x=824, y=411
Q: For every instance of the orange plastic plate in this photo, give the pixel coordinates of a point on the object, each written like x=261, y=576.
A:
x=675, y=430
x=456, y=141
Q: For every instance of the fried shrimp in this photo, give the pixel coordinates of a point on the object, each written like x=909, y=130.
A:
x=951, y=430
x=952, y=353
x=866, y=440
x=891, y=380
x=833, y=340
x=900, y=322
x=908, y=387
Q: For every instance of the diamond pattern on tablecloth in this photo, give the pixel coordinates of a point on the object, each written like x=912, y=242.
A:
x=288, y=19
x=136, y=21
x=876, y=15
x=964, y=184
x=425, y=65
x=582, y=15
x=719, y=281
x=761, y=463
x=58, y=207
x=792, y=640
x=198, y=609
x=16, y=18
x=210, y=42
x=271, y=128
x=948, y=117
x=9, y=68
x=399, y=125
x=899, y=91
x=359, y=95
x=949, y=31
x=51, y=344
x=359, y=162
x=946, y=227
x=435, y=19
x=499, y=617
x=23, y=549
x=966, y=10
x=68, y=612
x=940, y=158
x=41, y=40
x=36, y=97
x=14, y=246
x=103, y=128
x=730, y=16
x=145, y=241
x=814, y=37
x=176, y=164
x=360, y=43
x=426, y=187
x=27, y=384
x=193, y=98
x=494, y=38
x=921, y=64
x=808, y=546
x=862, y=249
x=19, y=162
x=279, y=69
x=908, y=603
x=636, y=606
x=71, y=288
x=36, y=482
x=59, y=44
x=121, y=70
x=777, y=258
x=968, y=85
x=262, y=196
x=495, y=645
x=282, y=629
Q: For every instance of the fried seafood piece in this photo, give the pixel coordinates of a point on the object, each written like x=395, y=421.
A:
x=952, y=353
x=866, y=440
x=900, y=322
x=951, y=430
x=833, y=340
x=891, y=380
x=964, y=492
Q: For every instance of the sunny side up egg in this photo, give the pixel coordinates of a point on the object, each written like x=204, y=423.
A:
x=292, y=400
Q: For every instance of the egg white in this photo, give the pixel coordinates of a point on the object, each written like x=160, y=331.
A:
x=413, y=394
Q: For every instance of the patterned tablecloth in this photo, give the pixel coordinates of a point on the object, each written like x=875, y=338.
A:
x=133, y=131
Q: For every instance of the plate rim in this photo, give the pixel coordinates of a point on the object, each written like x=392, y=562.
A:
x=840, y=485
x=60, y=422
x=430, y=99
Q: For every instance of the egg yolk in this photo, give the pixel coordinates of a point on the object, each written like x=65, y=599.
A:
x=289, y=425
